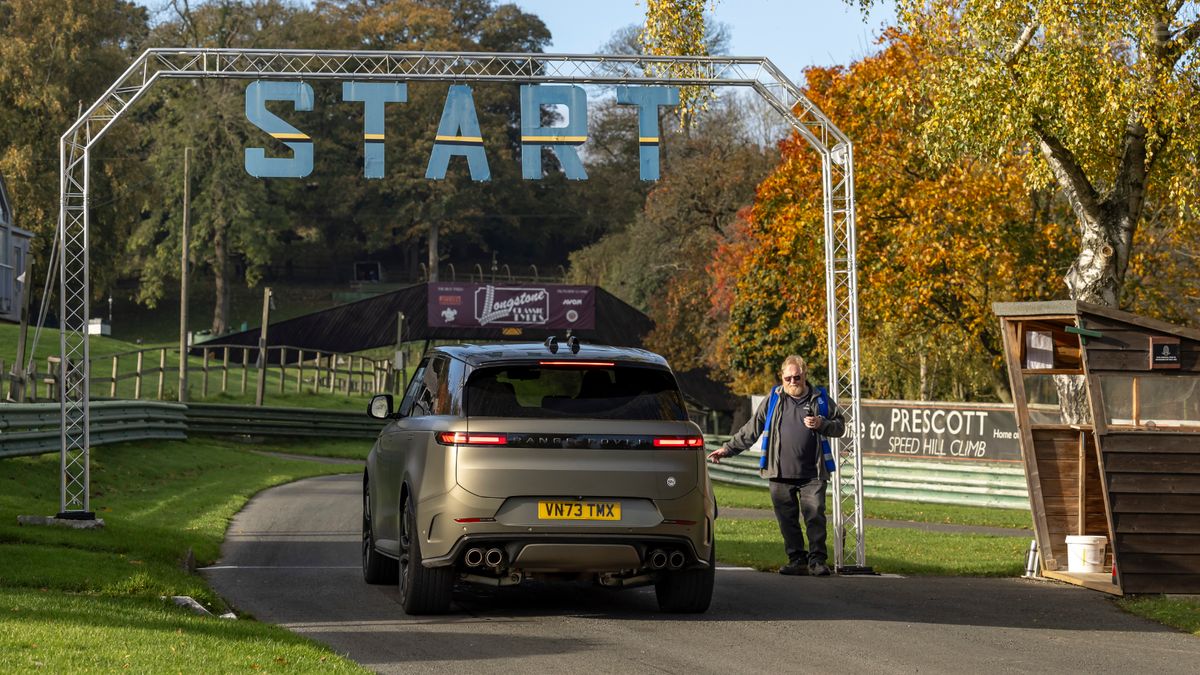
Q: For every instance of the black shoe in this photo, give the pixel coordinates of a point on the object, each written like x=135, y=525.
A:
x=816, y=570
x=795, y=568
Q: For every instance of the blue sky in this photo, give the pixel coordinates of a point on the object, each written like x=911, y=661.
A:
x=794, y=34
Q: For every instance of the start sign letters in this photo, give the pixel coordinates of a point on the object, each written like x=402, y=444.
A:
x=458, y=133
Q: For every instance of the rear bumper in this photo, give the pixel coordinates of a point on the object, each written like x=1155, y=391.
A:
x=573, y=552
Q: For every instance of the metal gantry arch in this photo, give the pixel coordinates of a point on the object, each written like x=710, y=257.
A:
x=759, y=74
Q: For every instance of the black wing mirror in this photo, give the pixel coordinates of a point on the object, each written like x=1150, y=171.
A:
x=380, y=406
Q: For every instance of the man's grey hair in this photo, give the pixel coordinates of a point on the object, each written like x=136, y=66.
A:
x=796, y=360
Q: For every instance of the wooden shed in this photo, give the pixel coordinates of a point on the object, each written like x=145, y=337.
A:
x=1129, y=467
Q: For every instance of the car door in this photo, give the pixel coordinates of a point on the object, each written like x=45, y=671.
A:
x=393, y=444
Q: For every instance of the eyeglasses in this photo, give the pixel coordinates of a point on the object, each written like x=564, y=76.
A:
x=797, y=378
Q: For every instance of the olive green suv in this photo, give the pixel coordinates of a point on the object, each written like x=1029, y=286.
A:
x=534, y=461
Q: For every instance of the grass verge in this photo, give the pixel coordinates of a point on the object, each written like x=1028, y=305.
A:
x=62, y=588
x=1181, y=614
x=758, y=544
x=744, y=497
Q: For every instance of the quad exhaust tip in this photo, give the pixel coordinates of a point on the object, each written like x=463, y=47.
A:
x=656, y=560
x=676, y=560
x=474, y=557
x=494, y=557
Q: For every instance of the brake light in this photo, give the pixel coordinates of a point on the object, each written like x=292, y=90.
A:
x=575, y=363
x=679, y=442
x=461, y=438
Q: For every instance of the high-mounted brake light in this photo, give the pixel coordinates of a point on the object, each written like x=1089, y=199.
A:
x=679, y=442
x=575, y=363
x=460, y=438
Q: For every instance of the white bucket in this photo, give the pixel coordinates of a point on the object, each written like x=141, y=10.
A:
x=1086, y=553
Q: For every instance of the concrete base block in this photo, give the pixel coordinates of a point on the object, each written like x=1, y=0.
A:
x=97, y=524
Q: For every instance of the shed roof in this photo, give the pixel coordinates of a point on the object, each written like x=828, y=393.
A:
x=1079, y=308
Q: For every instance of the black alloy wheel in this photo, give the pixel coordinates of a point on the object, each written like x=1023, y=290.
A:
x=687, y=591
x=377, y=568
x=423, y=590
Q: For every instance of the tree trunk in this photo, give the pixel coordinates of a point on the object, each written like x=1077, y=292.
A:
x=221, y=273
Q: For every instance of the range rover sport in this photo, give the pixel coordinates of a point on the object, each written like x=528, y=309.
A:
x=530, y=461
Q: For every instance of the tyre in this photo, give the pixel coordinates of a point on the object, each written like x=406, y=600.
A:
x=687, y=591
x=377, y=568
x=423, y=590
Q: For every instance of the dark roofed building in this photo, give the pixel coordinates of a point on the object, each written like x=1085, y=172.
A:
x=371, y=323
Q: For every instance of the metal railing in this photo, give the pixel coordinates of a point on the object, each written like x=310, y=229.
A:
x=955, y=484
x=34, y=428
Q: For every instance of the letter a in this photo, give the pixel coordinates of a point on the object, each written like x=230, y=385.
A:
x=564, y=140
x=648, y=99
x=459, y=134
x=374, y=95
x=257, y=162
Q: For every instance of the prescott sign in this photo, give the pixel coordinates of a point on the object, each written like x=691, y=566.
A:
x=455, y=305
x=458, y=133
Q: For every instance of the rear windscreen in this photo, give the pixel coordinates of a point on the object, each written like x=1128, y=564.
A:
x=596, y=392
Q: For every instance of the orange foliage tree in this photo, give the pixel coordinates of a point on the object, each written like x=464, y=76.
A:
x=937, y=244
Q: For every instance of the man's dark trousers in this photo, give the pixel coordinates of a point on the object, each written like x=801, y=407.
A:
x=811, y=506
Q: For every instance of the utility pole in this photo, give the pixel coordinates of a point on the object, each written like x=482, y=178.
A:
x=262, y=348
x=400, y=365
x=433, y=251
x=17, y=389
x=183, y=284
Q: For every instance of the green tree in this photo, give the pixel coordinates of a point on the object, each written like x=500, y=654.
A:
x=54, y=58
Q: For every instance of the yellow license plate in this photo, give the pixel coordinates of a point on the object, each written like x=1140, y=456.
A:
x=579, y=510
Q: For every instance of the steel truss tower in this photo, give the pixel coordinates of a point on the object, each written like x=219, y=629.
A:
x=837, y=165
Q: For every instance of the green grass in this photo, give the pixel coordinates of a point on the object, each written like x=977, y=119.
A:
x=1181, y=614
x=353, y=448
x=62, y=632
x=158, y=498
x=758, y=544
x=745, y=497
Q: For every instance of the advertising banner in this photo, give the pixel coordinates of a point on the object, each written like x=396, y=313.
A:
x=933, y=431
x=455, y=305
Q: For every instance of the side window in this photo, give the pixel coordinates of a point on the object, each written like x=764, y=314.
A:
x=414, y=388
x=435, y=395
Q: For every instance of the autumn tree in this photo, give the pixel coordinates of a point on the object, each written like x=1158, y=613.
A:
x=937, y=243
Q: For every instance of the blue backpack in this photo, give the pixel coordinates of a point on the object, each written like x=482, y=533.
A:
x=822, y=409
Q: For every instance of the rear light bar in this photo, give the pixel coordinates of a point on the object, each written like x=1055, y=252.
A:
x=576, y=363
x=461, y=438
x=679, y=442
x=679, y=522
x=474, y=520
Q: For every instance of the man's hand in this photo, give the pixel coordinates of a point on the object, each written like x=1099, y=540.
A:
x=812, y=422
x=717, y=455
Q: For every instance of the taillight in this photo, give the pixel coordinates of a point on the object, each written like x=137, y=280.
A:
x=461, y=438
x=679, y=442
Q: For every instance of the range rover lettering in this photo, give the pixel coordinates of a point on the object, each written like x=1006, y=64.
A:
x=526, y=461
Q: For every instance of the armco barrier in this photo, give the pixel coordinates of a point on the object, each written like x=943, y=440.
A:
x=223, y=418
x=956, y=484
x=33, y=428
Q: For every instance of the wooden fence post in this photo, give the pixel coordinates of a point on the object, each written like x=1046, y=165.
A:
x=245, y=367
x=162, y=370
x=137, y=389
x=225, y=371
x=282, y=366
x=112, y=390
x=332, y=372
x=204, y=382
x=300, y=372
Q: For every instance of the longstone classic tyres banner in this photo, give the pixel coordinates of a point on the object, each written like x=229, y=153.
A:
x=455, y=305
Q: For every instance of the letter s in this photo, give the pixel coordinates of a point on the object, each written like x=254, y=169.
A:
x=257, y=163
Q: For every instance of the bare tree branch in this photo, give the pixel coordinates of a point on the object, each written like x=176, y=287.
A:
x=1075, y=183
x=1021, y=45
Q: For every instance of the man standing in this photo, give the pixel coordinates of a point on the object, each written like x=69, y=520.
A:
x=794, y=422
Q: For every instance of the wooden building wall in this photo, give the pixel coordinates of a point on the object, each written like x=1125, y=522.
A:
x=1056, y=451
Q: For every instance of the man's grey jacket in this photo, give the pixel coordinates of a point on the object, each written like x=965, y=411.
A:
x=834, y=426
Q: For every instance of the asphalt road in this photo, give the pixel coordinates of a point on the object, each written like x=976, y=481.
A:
x=292, y=558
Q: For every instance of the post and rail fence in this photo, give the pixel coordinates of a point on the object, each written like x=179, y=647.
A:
x=296, y=369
